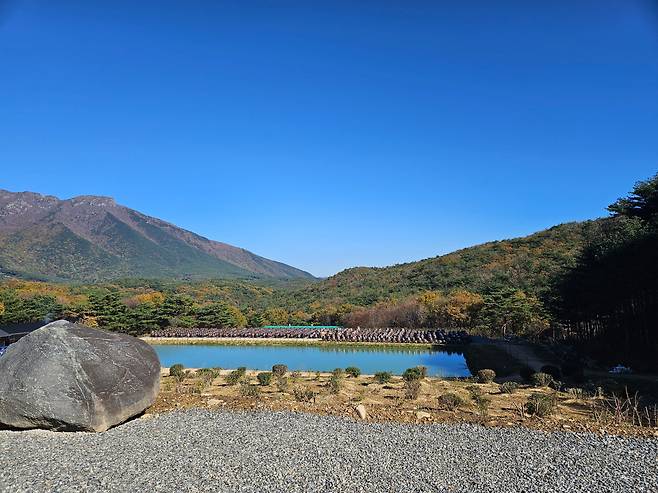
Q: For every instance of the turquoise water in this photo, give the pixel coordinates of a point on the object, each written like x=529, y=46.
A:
x=315, y=358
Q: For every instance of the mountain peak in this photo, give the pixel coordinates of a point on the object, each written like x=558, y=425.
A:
x=91, y=237
x=93, y=200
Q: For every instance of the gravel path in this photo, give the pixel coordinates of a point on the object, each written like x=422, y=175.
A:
x=286, y=452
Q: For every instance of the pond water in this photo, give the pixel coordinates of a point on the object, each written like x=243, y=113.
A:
x=439, y=362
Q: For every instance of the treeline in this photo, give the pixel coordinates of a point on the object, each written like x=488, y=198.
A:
x=498, y=312
x=139, y=310
x=608, y=303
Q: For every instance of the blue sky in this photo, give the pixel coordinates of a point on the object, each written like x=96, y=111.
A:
x=333, y=134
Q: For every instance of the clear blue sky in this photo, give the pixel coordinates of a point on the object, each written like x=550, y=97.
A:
x=333, y=134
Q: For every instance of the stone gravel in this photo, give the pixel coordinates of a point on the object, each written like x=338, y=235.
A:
x=199, y=450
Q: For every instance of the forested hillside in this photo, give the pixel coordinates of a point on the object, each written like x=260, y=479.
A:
x=529, y=264
x=594, y=283
x=447, y=291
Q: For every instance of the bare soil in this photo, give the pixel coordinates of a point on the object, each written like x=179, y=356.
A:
x=387, y=402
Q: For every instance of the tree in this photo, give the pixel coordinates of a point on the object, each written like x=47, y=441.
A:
x=510, y=310
x=641, y=203
x=220, y=315
x=276, y=316
x=608, y=303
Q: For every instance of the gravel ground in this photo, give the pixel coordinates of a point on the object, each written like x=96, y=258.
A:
x=286, y=452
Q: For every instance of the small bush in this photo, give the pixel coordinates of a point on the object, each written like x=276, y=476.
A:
x=553, y=371
x=295, y=376
x=353, y=371
x=282, y=383
x=279, y=370
x=335, y=383
x=450, y=401
x=415, y=373
x=264, y=378
x=475, y=391
x=211, y=373
x=176, y=370
x=383, y=377
x=207, y=375
x=482, y=403
x=234, y=377
x=338, y=372
x=526, y=373
x=303, y=395
x=197, y=388
x=486, y=376
x=249, y=390
x=541, y=405
x=509, y=387
x=412, y=389
x=317, y=375
x=541, y=379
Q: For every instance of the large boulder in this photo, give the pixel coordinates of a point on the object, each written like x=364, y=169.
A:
x=66, y=376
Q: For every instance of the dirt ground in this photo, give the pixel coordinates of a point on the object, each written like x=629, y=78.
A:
x=386, y=402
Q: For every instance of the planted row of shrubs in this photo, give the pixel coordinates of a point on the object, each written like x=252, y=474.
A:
x=537, y=404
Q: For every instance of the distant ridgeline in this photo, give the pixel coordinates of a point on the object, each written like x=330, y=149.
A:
x=594, y=282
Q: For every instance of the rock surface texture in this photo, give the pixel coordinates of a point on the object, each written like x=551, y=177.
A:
x=70, y=377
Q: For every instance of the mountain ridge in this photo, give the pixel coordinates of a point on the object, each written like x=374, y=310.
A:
x=94, y=238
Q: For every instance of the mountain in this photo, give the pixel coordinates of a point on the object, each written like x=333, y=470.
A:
x=530, y=263
x=92, y=238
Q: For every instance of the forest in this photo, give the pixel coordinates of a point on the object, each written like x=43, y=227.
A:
x=593, y=284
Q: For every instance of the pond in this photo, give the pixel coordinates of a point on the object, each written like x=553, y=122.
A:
x=439, y=362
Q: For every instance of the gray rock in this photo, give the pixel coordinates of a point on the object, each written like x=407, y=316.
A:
x=70, y=377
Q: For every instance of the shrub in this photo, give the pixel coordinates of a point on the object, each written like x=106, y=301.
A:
x=541, y=379
x=176, y=370
x=317, y=375
x=335, y=383
x=353, y=371
x=541, y=404
x=509, y=387
x=482, y=403
x=526, y=373
x=486, y=376
x=197, y=388
x=249, y=390
x=242, y=370
x=338, y=372
x=553, y=371
x=211, y=373
x=415, y=373
x=207, y=375
x=234, y=377
x=450, y=401
x=303, y=395
x=295, y=376
x=475, y=391
x=282, y=383
x=382, y=377
x=412, y=389
x=264, y=378
x=279, y=370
